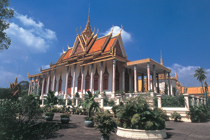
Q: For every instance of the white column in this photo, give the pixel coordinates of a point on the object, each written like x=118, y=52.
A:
x=113, y=77
x=193, y=100
x=135, y=79
x=169, y=83
x=48, y=81
x=66, y=84
x=91, y=78
x=73, y=84
x=82, y=80
x=118, y=101
x=29, y=88
x=53, y=86
x=187, y=104
x=43, y=79
x=101, y=77
x=159, y=101
x=154, y=79
x=148, y=76
x=102, y=102
x=123, y=79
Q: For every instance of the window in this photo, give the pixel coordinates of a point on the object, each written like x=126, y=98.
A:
x=96, y=76
x=117, y=78
x=87, y=81
x=69, y=84
x=105, y=79
x=45, y=84
x=55, y=84
x=79, y=82
x=60, y=85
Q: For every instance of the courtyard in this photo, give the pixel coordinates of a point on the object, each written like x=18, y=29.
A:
x=76, y=130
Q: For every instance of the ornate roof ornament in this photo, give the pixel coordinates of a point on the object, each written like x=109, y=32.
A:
x=68, y=47
x=112, y=29
x=41, y=68
x=176, y=74
x=63, y=51
x=87, y=31
x=50, y=63
x=161, y=58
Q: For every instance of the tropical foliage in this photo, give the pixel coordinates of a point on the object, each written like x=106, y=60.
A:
x=136, y=114
x=199, y=113
x=200, y=76
x=176, y=116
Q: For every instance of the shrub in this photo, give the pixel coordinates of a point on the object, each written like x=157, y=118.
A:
x=176, y=116
x=49, y=114
x=199, y=113
x=65, y=115
x=149, y=125
x=77, y=95
x=161, y=113
x=69, y=102
x=136, y=113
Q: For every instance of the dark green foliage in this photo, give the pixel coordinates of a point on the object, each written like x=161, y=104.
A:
x=61, y=101
x=108, y=102
x=5, y=14
x=49, y=114
x=199, y=113
x=5, y=93
x=176, y=116
x=155, y=100
x=105, y=123
x=18, y=120
x=77, y=95
x=174, y=90
x=51, y=99
x=149, y=125
x=200, y=76
x=69, y=102
x=176, y=101
x=65, y=115
x=161, y=113
x=137, y=111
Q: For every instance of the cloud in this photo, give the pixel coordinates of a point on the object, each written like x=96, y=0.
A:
x=8, y=77
x=28, y=21
x=126, y=37
x=45, y=66
x=186, y=75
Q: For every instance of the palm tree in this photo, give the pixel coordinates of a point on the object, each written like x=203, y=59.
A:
x=200, y=75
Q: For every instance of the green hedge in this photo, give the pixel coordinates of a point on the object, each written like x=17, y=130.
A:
x=176, y=101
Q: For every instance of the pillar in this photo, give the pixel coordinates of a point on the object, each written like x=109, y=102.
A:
x=193, y=100
x=101, y=77
x=204, y=101
x=118, y=101
x=148, y=77
x=77, y=101
x=154, y=79
x=48, y=82
x=43, y=79
x=82, y=80
x=135, y=79
x=158, y=84
x=123, y=79
x=29, y=88
x=198, y=102
x=186, y=97
x=165, y=79
x=142, y=82
x=169, y=83
x=102, y=102
x=113, y=77
x=53, y=86
x=73, y=84
x=66, y=84
x=159, y=101
x=91, y=78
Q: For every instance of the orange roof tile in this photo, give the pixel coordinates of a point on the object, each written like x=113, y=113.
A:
x=67, y=54
x=192, y=90
x=110, y=44
x=97, y=45
x=61, y=57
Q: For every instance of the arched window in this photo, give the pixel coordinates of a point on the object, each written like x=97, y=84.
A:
x=45, y=84
x=87, y=81
x=96, y=76
x=117, y=78
x=60, y=85
x=105, y=79
x=79, y=82
x=55, y=84
x=69, y=84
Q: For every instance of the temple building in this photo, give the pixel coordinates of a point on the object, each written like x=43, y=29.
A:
x=97, y=64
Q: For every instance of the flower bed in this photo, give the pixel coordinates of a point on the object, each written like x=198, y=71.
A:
x=141, y=134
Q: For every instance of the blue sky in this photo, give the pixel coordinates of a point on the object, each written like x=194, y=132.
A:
x=42, y=28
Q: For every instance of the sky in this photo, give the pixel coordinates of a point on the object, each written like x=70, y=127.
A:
x=41, y=29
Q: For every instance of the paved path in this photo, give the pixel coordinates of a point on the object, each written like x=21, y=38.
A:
x=76, y=130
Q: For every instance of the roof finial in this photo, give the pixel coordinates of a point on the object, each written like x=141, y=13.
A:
x=161, y=58
x=112, y=29
x=64, y=51
x=89, y=13
x=176, y=74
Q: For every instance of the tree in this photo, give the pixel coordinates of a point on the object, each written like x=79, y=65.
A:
x=5, y=14
x=174, y=90
x=200, y=75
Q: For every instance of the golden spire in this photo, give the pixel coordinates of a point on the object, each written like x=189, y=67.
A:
x=161, y=58
x=176, y=74
x=88, y=30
